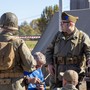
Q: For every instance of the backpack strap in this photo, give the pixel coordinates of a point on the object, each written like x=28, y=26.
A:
x=80, y=39
x=57, y=37
x=78, y=42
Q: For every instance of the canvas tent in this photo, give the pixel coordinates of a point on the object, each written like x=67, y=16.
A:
x=48, y=35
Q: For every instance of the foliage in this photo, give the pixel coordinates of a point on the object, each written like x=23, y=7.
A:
x=38, y=25
x=34, y=25
x=46, y=16
x=25, y=29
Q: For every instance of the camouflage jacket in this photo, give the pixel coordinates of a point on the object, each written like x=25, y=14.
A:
x=68, y=87
x=23, y=57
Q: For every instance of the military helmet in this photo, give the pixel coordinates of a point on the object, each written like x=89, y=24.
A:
x=9, y=21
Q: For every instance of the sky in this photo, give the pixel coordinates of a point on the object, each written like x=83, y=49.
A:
x=27, y=10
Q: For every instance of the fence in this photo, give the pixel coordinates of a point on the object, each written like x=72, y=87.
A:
x=34, y=37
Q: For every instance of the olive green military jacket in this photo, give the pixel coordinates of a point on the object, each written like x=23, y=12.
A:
x=23, y=57
x=74, y=45
x=68, y=87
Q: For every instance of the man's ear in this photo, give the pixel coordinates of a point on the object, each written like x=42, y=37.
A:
x=72, y=24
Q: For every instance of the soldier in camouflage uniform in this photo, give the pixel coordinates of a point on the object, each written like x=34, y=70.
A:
x=70, y=49
x=12, y=79
x=70, y=80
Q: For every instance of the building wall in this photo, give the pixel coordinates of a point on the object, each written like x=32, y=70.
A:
x=79, y=4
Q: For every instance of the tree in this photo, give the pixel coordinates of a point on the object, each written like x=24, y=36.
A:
x=34, y=26
x=25, y=29
x=38, y=25
x=46, y=16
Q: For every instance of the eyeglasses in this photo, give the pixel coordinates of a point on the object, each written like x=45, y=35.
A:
x=63, y=22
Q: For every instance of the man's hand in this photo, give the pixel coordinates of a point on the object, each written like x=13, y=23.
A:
x=88, y=71
x=88, y=63
x=34, y=80
x=40, y=87
x=88, y=68
x=51, y=69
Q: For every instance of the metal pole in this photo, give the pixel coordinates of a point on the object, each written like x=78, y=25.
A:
x=60, y=11
x=89, y=3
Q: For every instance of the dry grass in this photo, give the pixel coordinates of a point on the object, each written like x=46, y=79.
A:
x=31, y=44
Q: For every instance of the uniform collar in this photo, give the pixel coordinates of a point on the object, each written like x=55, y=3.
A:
x=73, y=36
x=76, y=33
x=70, y=86
x=7, y=33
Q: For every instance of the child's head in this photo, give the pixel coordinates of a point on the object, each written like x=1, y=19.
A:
x=71, y=77
x=40, y=58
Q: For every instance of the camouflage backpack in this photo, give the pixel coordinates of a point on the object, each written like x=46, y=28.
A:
x=7, y=55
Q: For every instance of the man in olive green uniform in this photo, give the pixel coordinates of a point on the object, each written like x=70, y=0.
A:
x=11, y=79
x=70, y=80
x=68, y=50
